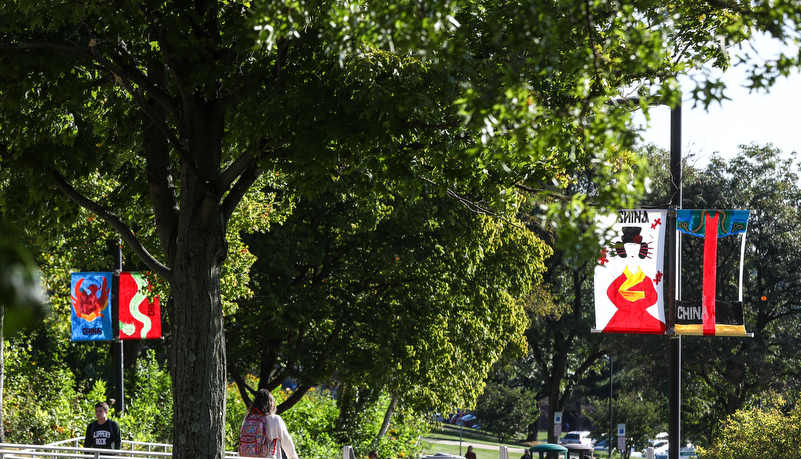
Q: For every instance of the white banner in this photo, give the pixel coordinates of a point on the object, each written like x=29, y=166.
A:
x=629, y=274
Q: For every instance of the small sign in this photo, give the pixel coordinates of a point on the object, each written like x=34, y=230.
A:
x=557, y=430
x=557, y=418
x=621, y=443
x=621, y=430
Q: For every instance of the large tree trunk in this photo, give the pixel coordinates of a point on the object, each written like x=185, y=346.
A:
x=198, y=340
x=198, y=343
x=2, y=374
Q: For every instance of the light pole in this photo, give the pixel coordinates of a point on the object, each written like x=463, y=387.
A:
x=611, y=434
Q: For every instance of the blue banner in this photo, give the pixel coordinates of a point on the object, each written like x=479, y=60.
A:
x=91, y=311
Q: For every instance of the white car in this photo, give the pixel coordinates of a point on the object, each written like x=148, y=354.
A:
x=577, y=436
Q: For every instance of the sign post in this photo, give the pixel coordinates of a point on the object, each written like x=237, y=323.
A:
x=621, y=437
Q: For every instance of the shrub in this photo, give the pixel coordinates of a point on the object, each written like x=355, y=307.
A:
x=767, y=433
x=148, y=407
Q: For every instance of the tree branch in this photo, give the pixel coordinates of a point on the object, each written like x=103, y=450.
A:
x=474, y=206
x=251, y=174
x=244, y=389
x=125, y=81
x=48, y=47
x=116, y=223
x=294, y=398
x=234, y=170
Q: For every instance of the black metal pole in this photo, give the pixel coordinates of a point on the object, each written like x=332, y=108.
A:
x=117, y=343
x=611, y=393
x=674, y=346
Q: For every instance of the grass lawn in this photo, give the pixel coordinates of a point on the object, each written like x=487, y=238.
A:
x=484, y=445
x=481, y=443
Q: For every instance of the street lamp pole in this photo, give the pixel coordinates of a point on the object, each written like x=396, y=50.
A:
x=611, y=393
x=674, y=341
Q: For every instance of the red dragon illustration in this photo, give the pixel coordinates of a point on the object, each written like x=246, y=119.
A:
x=89, y=307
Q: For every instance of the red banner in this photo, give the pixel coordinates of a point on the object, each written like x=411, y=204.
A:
x=140, y=317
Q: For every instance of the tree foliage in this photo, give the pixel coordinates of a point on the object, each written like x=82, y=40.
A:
x=770, y=432
x=506, y=411
x=158, y=117
x=723, y=375
x=415, y=297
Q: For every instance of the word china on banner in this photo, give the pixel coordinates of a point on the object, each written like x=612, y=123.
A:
x=91, y=311
x=709, y=316
x=628, y=276
x=140, y=318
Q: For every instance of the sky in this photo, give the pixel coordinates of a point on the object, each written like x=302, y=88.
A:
x=748, y=117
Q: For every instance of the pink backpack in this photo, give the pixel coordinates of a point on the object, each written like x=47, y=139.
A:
x=252, y=440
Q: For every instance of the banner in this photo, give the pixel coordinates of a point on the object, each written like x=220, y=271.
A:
x=628, y=276
x=139, y=317
x=710, y=316
x=91, y=311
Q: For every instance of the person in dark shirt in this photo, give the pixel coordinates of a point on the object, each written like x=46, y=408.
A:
x=470, y=454
x=103, y=433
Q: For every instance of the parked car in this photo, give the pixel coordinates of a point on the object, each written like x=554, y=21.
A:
x=685, y=453
x=456, y=417
x=577, y=436
x=600, y=445
x=467, y=420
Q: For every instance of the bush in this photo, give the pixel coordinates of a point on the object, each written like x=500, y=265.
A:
x=767, y=433
x=41, y=403
x=148, y=406
x=44, y=401
x=312, y=421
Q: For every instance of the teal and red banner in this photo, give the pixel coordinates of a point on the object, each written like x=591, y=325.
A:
x=139, y=315
x=710, y=316
x=91, y=311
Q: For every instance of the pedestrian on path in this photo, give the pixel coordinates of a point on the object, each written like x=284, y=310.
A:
x=103, y=433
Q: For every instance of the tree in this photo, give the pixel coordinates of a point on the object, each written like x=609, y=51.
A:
x=416, y=297
x=732, y=372
x=723, y=375
x=176, y=108
x=769, y=432
x=506, y=411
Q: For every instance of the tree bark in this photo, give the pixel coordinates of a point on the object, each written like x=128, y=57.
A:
x=195, y=247
x=198, y=343
x=2, y=374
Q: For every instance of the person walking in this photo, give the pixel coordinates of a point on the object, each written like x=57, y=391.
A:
x=470, y=454
x=263, y=433
x=103, y=433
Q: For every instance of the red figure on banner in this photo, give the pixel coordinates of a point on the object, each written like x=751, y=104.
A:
x=633, y=292
x=90, y=306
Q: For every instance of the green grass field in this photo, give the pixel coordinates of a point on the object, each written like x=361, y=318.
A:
x=484, y=445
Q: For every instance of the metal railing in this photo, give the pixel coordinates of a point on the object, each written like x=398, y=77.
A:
x=140, y=450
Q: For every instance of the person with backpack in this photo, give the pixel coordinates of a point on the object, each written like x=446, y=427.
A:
x=263, y=433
